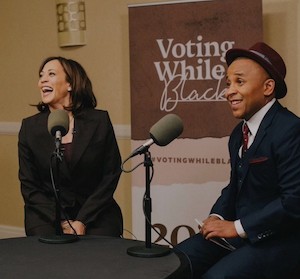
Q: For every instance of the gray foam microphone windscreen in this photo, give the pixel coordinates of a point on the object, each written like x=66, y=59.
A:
x=166, y=129
x=58, y=120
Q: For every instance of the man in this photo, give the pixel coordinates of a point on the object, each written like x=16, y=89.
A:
x=259, y=211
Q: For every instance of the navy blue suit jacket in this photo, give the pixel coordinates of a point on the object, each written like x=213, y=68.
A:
x=268, y=201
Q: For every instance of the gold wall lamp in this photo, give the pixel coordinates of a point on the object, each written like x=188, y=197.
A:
x=71, y=22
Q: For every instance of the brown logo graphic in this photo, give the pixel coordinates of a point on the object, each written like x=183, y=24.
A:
x=177, y=63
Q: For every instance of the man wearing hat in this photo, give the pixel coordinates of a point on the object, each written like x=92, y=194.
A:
x=259, y=211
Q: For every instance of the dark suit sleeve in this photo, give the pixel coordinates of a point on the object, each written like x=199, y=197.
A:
x=39, y=207
x=104, y=169
x=225, y=204
x=268, y=202
x=278, y=212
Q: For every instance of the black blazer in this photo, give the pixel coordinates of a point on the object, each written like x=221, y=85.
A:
x=86, y=184
x=268, y=201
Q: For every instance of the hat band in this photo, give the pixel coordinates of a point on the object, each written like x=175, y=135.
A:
x=262, y=56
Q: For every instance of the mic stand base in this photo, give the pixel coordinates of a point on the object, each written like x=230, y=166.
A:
x=144, y=252
x=59, y=239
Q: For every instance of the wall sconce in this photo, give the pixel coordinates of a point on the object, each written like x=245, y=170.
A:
x=71, y=22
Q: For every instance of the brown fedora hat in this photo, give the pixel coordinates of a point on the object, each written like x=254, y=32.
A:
x=266, y=57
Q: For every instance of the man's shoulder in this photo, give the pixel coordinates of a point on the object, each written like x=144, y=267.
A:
x=287, y=116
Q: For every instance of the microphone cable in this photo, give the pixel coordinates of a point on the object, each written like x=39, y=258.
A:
x=59, y=155
x=159, y=234
x=169, y=242
x=131, y=170
x=146, y=217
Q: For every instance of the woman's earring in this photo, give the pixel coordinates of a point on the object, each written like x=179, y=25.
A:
x=69, y=89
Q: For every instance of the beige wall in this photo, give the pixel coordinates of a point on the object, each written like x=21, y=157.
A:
x=28, y=35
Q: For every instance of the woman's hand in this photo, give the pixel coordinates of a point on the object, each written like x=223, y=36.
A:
x=78, y=226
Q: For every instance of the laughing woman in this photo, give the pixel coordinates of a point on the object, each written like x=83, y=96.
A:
x=90, y=169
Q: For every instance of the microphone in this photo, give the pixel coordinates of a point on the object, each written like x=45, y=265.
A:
x=58, y=124
x=162, y=133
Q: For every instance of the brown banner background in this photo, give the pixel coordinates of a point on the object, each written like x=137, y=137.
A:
x=177, y=66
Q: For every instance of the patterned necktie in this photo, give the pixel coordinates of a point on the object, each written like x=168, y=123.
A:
x=245, y=137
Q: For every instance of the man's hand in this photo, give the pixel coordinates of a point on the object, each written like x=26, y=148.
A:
x=215, y=227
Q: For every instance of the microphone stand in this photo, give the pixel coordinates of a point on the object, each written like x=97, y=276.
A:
x=59, y=237
x=149, y=251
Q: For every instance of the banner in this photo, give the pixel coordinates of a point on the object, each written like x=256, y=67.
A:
x=177, y=65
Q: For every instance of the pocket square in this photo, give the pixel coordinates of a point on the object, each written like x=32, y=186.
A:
x=258, y=160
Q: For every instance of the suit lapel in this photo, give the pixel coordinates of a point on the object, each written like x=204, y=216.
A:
x=261, y=133
x=236, y=144
x=84, y=129
x=266, y=122
x=46, y=143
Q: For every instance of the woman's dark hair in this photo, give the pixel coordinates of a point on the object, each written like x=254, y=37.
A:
x=82, y=95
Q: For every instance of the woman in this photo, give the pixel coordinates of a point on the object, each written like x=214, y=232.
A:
x=90, y=169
